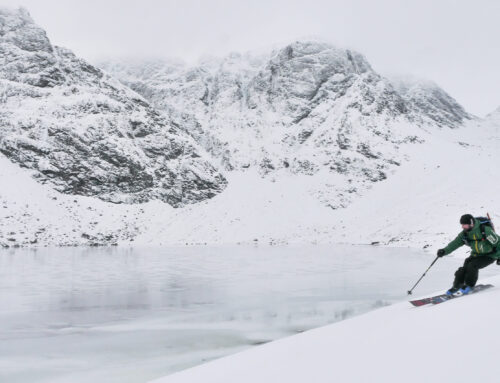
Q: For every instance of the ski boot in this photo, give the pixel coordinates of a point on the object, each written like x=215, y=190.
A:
x=453, y=291
x=466, y=289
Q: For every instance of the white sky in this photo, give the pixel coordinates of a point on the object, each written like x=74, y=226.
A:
x=455, y=43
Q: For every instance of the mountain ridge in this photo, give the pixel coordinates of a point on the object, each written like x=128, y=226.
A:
x=306, y=108
x=84, y=132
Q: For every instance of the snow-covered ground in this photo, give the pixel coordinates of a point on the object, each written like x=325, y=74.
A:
x=452, y=173
x=456, y=341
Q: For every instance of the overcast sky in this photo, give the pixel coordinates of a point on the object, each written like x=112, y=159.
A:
x=455, y=43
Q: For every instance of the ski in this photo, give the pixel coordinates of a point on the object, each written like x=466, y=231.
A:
x=443, y=297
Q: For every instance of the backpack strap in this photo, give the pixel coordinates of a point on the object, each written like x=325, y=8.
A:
x=483, y=221
x=483, y=235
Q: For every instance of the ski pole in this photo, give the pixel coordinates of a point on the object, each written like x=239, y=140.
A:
x=423, y=275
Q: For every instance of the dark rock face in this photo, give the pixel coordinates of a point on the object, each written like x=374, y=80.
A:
x=86, y=133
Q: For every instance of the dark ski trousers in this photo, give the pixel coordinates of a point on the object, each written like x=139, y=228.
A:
x=469, y=272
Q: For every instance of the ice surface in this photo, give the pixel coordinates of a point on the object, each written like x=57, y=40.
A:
x=452, y=342
x=130, y=315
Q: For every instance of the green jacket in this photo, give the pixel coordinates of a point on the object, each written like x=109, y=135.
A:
x=489, y=246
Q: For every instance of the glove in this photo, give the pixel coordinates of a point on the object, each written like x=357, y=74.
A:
x=440, y=253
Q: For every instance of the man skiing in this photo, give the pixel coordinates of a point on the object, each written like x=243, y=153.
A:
x=485, y=245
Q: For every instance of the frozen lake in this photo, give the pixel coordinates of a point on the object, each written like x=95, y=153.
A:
x=131, y=315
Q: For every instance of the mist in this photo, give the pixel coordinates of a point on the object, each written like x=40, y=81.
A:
x=452, y=43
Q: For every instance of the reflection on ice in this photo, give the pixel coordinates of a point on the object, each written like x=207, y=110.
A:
x=130, y=315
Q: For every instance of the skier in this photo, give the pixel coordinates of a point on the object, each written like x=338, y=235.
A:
x=485, y=245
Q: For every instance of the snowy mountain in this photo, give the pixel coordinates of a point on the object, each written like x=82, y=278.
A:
x=493, y=118
x=301, y=132
x=87, y=134
x=307, y=108
x=427, y=99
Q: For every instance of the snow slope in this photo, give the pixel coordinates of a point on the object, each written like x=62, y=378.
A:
x=456, y=341
x=453, y=174
x=419, y=205
x=33, y=214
